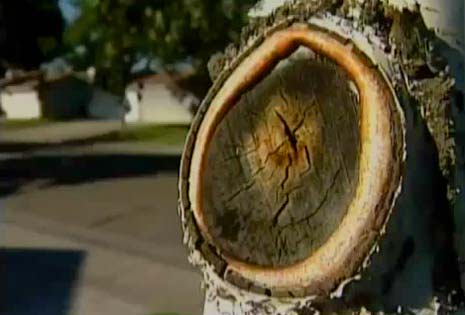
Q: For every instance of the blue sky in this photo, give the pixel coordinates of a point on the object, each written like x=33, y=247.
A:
x=70, y=13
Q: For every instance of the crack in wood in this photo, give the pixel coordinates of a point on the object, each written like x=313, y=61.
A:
x=281, y=209
x=277, y=136
x=286, y=172
x=290, y=135
x=238, y=154
x=274, y=151
x=309, y=161
x=320, y=204
x=244, y=188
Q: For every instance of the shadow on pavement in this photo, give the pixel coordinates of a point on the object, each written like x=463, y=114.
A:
x=39, y=281
x=69, y=170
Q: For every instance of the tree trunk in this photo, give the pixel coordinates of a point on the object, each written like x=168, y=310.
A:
x=318, y=173
x=2, y=112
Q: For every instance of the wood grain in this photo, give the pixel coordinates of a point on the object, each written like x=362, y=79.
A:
x=381, y=154
x=283, y=163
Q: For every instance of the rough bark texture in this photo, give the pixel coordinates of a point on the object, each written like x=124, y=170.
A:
x=414, y=269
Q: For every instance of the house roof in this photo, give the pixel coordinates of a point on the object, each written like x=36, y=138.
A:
x=23, y=79
x=171, y=81
x=164, y=78
x=65, y=77
x=26, y=86
x=31, y=80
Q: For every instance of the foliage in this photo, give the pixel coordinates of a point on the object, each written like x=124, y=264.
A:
x=115, y=34
x=30, y=32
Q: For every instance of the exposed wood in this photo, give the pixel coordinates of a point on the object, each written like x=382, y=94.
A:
x=246, y=173
x=283, y=164
x=375, y=173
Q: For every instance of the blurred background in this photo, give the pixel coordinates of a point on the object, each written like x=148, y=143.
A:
x=96, y=98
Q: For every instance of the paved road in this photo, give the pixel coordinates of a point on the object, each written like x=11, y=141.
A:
x=120, y=212
x=110, y=281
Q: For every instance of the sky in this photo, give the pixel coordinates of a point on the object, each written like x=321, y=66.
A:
x=70, y=13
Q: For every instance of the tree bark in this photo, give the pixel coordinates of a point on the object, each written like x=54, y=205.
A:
x=318, y=173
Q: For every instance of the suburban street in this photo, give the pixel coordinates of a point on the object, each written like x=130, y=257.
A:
x=325, y=164
x=109, y=211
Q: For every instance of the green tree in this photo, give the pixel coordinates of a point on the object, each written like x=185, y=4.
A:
x=113, y=35
x=30, y=33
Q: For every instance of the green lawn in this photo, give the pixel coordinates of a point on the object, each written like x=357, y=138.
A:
x=22, y=123
x=161, y=134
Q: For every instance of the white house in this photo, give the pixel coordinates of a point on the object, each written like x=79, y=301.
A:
x=59, y=97
x=159, y=99
x=21, y=101
x=150, y=99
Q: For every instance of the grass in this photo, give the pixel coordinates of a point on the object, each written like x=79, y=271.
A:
x=22, y=123
x=161, y=134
